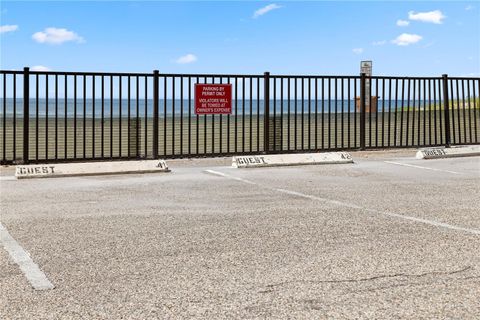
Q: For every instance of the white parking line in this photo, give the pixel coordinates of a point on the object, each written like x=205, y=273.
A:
x=230, y=177
x=420, y=167
x=32, y=272
x=353, y=206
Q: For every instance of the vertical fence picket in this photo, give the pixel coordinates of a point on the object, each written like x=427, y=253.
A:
x=266, y=112
x=26, y=114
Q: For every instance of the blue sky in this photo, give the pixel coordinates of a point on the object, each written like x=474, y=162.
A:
x=404, y=38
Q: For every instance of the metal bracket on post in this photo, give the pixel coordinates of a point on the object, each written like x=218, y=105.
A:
x=446, y=110
x=266, y=116
x=362, y=111
x=155, y=114
x=26, y=113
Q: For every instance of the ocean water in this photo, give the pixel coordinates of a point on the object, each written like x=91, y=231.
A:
x=117, y=108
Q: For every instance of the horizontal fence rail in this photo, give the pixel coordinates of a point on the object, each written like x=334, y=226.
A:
x=78, y=116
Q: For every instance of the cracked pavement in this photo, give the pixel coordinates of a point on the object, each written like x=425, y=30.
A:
x=191, y=245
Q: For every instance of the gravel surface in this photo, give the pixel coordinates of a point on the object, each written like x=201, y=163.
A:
x=191, y=244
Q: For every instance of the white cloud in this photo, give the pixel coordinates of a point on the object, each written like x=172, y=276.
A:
x=471, y=74
x=357, y=50
x=403, y=23
x=56, y=36
x=379, y=43
x=431, y=43
x=435, y=16
x=406, y=39
x=469, y=7
x=8, y=28
x=188, y=58
x=40, y=68
x=262, y=11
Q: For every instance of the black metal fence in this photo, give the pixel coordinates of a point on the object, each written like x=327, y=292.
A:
x=77, y=116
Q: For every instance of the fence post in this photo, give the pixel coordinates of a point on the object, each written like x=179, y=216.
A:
x=26, y=113
x=266, y=114
x=362, y=111
x=446, y=110
x=155, y=114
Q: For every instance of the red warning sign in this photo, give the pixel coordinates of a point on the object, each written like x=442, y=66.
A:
x=213, y=98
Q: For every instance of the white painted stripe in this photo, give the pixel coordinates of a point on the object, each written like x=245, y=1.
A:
x=354, y=206
x=431, y=222
x=420, y=167
x=217, y=173
x=335, y=202
x=32, y=272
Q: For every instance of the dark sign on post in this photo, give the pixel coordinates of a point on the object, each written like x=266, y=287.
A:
x=213, y=98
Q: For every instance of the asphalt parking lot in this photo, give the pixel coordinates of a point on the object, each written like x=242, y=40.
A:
x=387, y=237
